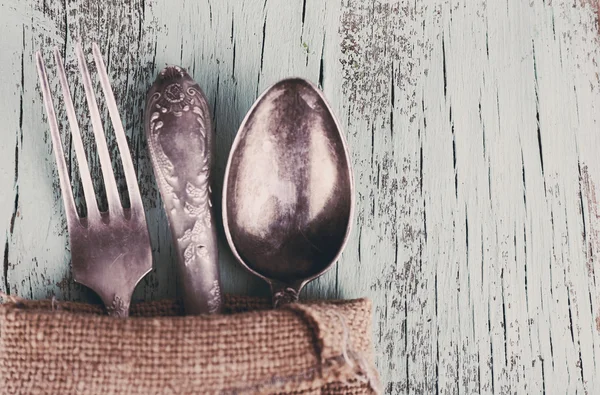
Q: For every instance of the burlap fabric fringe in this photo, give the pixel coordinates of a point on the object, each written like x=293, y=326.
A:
x=66, y=348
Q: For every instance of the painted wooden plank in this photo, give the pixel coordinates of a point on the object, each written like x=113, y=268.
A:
x=11, y=103
x=473, y=131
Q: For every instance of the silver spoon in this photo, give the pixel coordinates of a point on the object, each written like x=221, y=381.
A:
x=288, y=194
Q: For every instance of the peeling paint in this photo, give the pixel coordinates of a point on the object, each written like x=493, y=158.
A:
x=473, y=134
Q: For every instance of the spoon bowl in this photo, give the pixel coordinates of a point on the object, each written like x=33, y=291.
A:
x=288, y=194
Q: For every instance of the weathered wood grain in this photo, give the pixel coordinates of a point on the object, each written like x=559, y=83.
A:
x=473, y=129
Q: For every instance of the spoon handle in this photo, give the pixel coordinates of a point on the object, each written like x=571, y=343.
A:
x=283, y=293
x=180, y=139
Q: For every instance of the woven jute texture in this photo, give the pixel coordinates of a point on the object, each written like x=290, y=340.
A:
x=67, y=348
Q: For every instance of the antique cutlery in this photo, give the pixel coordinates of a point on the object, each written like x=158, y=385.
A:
x=180, y=138
x=110, y=250
x=288, y=194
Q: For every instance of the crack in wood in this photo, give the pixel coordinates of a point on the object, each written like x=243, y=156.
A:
x=5, y=267
x=322, y=65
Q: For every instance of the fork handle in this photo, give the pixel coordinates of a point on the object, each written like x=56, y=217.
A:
x=180, y=138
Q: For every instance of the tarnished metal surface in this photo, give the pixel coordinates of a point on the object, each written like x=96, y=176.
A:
x=180, y=139
x=288, y=190
x=110, y=250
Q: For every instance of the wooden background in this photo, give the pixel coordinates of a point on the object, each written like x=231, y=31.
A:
x=473, y=128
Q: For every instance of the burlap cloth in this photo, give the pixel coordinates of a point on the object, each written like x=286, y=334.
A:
x=64, y=348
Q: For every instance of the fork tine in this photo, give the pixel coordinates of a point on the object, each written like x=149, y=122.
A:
x=130, y=176
x=63, y=173
x=84, y=171
x=112, y=194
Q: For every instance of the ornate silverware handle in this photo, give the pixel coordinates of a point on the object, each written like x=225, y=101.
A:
x=181, y=142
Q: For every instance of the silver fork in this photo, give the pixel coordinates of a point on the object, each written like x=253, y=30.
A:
x=110, y=251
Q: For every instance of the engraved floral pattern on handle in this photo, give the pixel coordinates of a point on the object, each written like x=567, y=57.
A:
x=177, y=101
x=118, y=308
x=214, y=303
x=179, y=133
